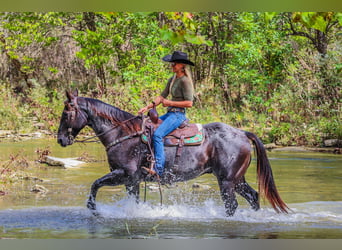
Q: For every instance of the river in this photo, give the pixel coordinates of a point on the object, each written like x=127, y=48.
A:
x=310, y=183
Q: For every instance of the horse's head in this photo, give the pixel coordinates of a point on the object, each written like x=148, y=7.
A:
x=72, y=121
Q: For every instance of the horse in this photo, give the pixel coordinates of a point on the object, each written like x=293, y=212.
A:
x=225, y=152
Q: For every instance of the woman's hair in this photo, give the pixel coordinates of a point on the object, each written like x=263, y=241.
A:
x=187, y=72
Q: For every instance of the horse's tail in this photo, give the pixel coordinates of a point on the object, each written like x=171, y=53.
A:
x=266, y=184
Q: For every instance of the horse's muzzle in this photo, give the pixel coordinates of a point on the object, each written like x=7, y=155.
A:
x=61, y=142
x=64, y=141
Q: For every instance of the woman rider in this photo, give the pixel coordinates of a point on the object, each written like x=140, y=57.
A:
x=180, y=87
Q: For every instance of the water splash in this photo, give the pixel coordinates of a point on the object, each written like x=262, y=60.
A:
x=311, y=212
x=127, y=219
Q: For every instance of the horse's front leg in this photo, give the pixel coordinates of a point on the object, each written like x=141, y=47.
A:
x=133, y=189
x=117, y=177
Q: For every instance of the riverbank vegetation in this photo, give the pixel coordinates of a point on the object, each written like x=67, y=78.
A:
x=275, y=74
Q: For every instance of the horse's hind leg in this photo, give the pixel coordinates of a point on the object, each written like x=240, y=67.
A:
x=117, y=177
x=228, y=196
x=247, y=192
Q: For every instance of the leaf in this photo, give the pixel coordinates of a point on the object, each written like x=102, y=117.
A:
x=196, y=39
x=269, y=16
x=193, y=39
x=314, y=20
x=320, y=24
x=53, y=70
x=165, y=33
x=339, y=18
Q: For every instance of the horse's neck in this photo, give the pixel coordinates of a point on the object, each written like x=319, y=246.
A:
x=103, y=123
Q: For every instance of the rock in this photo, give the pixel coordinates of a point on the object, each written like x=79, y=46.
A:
x=337, y=151
x=39, y=125
x=37, y=135
x=291, y=149
x=29, y=178
x=62, y=162
x=332, y=143
x=5, y=133
x=153, y=187
x=198, y=186
x=39, y=189
x=270, y=146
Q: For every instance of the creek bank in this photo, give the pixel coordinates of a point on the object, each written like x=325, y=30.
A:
x=275, y=148
x=16, y=137
x=329, y=145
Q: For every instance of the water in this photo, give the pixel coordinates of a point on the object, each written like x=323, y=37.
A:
x=310, y=183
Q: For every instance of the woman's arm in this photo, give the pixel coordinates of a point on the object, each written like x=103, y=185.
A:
x=178, y=104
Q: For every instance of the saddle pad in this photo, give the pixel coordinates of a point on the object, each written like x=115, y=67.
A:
x=197, y=139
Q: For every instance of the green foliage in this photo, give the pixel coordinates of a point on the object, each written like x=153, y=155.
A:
x=185, y=29
x=277, y=74
x=12, y=114
x=316, y=20
x=331, y=126
x=18, y=113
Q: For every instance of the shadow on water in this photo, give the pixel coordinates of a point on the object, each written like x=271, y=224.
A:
x=309, y=183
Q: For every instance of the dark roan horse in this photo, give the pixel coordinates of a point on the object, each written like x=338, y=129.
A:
x=225, y=152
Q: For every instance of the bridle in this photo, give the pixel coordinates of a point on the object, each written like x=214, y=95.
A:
x=72, y=109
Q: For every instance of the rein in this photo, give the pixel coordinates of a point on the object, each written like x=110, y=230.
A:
x=73, y=109
x=88, y=140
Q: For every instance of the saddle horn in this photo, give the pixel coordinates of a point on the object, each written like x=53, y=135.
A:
x=153, y=114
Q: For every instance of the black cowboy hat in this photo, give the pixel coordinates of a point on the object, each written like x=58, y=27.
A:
x=179, y=57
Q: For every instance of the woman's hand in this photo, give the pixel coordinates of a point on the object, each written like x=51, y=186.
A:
x=144, y=109
x=166, y=102
x=157, y=101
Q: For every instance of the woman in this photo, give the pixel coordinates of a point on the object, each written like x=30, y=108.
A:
x=180, y=87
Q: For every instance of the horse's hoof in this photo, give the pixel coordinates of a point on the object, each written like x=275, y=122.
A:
x=91, y=206
x=256, y=207
x=95, y=213
x=229, y=214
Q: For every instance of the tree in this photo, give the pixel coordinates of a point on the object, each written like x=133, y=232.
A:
x=320, y=29
x=315, y=26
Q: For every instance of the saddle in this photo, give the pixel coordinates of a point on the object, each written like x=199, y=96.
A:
x=187, y=134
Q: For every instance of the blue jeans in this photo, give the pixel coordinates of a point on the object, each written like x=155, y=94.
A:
x=171, y=121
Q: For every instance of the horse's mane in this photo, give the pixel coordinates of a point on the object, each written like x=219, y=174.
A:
x=107, y=112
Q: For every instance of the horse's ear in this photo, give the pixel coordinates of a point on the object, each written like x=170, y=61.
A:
x=69, y=95
x=72, y=95
x=75, y=93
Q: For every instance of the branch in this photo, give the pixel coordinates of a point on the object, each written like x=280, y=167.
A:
x=330, y=25
x=301, y=33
